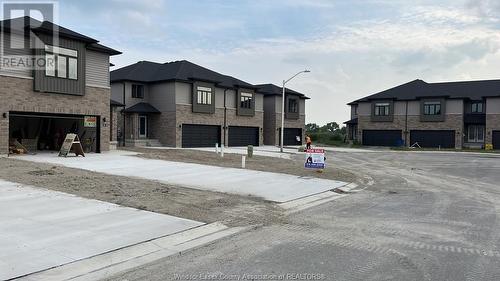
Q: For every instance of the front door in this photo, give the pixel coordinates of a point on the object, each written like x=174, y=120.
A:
x=476, y=133
x=143, y=126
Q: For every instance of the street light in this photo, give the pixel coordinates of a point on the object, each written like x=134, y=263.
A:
x=283, y=107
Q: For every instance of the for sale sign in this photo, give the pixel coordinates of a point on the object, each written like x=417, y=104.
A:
x=315, y=159
x=90, y=121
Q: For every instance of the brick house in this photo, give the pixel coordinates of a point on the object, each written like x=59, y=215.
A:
x=181, y=104
x=69, y=92
x=446, y=115
x=295, y=117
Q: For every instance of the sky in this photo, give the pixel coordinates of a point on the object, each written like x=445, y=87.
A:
x=353, y=48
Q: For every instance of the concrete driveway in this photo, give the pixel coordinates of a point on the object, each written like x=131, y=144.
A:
x=42, y=229
x=270, y=186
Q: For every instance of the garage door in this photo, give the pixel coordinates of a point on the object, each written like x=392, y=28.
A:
x=496, y=140
x=290, y=136
x=200, y=135
x=243, y=136
x=47, y=131
x=433, y=138
x=382, y=137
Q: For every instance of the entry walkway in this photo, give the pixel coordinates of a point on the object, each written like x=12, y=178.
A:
x=269, y=186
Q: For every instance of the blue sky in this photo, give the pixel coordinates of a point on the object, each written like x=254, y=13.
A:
x=353, y=48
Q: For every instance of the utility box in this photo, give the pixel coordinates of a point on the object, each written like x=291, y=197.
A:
x=250, y=151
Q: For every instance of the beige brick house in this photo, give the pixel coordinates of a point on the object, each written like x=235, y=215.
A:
x=439, y=115
x=68, y=93
x=181, y=104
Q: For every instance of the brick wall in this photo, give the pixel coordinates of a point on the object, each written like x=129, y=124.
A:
x=492, y=124
x=185, y=115
x=18, y=95
x=452, y=122
x=163, y=127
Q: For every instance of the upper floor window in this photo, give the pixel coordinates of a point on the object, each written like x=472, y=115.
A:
x=382, y=109
x=204, y=95
x=477, y=107
x=432, y=108
x=61, y=62
x=355, y=109
x=293, y=106
x=246, y=100
x=137, y=91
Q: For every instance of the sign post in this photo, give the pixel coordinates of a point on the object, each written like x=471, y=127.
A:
x=315, y=159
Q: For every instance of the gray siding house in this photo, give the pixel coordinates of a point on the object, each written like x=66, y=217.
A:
x=437, y=115
x=181, y=104
x=295, y=116
x=69, y=93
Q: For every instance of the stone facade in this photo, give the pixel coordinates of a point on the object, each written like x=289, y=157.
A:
x=492, y=124
x=18, y=95
x=452, y=122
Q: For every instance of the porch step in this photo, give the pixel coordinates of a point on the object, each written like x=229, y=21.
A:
x=143, y=142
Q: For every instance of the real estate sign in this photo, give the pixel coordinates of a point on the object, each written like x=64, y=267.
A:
x=90, y=121
x=315, y=159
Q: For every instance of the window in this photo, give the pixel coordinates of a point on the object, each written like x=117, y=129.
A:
x=246, y=100
x=355, y=109
x=293, y=106
x=382, y=109
x=477, y=107
x=137, y=91
x=432, y=108
x=204, y=95
x=61, y=62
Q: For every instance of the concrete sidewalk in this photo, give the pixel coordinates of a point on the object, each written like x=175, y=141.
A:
x=270, y=186
x=42, y=229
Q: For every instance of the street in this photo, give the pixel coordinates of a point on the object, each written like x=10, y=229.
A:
x=427, y=216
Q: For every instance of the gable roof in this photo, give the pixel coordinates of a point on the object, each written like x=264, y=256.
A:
x=22, y=24
x=271, y=89
x=186, y=71
x=142, y=107
x=417, y=89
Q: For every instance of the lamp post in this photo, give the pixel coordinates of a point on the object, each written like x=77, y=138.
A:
x=283, y=107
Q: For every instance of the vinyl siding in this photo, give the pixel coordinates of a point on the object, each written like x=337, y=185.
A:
x=97, y=69
x=17, y=71
x=162, y=96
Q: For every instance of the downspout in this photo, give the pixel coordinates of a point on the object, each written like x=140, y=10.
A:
x=406, y=125
x=124, y=116
x=225, y=118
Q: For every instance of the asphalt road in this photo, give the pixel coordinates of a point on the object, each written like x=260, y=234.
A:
x=428, y=216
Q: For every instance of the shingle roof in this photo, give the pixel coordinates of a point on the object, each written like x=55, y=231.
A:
x=22, y=23
x=148, y=72
x=112, y=102
x=271, y=89
x=353, y=121
x=455, y=90
x=142, y=107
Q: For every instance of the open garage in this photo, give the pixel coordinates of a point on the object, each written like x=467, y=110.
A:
x=382, y=137
x=42, y=131
x=433, y=138
x=243, y=136
x=200, y=135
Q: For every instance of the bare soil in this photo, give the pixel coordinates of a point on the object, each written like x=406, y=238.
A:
x=205, y=206
x=294, y=166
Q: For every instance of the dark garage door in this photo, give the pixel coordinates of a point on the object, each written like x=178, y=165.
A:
x=433, y=138
x=496, y=140
x=200, y=135
x=290, y=136
x=382, y=137
x=243, y=136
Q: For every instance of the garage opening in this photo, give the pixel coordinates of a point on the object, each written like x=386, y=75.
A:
x=496, y=140
x=390, y=138
x=243, y=136
x=433, y=138
x=292, y=136
x=46, y=132
x=200, y=135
